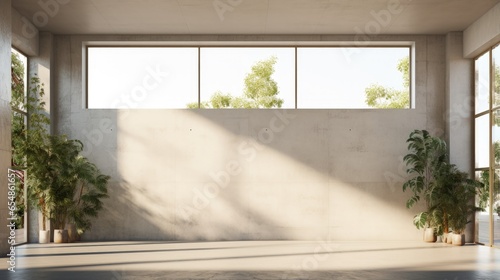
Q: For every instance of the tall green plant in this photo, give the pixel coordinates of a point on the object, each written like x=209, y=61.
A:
x=457, y=193
x=62, y=184
x=89, y=190
x=76, y=185
x=31, y=146
x=18, y=133
x=63, y=152
x=447, y=191
x=427, y=155
x=452, y=199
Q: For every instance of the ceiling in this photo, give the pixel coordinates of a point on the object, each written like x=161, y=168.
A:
x=253, y=16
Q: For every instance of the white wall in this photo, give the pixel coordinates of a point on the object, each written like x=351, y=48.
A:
x=323, y=173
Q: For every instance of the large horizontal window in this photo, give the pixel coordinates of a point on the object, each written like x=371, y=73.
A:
x=249, y=77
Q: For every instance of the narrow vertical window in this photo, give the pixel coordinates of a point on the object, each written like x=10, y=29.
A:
x=19, y=64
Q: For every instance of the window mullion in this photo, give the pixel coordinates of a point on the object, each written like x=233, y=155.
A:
x=492, y=150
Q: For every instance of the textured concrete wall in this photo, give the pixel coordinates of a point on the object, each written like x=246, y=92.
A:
x=459, y=102
x=25, y=36
x=251, y=174
x=5, y=118
x=483, y=33
x=460, y=109
x=40, y=66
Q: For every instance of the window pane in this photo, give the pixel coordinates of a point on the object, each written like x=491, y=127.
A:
x=496, y=75
x=482, y=141
x=483, y=201
x=496, y=147
x=19, y=76
x=496, y=208
x=127, y=77
x=224, y=71
x=496, y=136
x=353, y=78
x=482, y=83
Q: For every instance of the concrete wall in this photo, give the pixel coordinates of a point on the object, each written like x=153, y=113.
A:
x=25, y=36
x=5, y=118
x=483, y=33
x=251, y=174
x=40, y=66
x=459, y=102
x=460, y=110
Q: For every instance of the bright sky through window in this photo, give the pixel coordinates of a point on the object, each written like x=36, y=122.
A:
x=142, y=77
x=225, y=69
x=338, y=77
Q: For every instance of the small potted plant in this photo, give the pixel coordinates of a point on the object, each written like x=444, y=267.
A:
x=459, y=191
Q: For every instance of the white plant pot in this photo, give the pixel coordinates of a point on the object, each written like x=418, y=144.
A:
x=60, y=236
x=44, y=236
x=449, y=239
x=429, y=235
x=458, y=239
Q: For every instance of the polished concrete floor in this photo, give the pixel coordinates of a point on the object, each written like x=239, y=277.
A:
x=253, y=260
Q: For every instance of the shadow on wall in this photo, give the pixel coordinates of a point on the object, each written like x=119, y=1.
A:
x=254, y=174
x=136, y=214
x=124, y=218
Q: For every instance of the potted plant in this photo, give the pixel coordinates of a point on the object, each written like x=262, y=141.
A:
x=426, y=155
x=64, y=152
x=461, y=191
x=62, y=185
x=447, y=177
x=430, y=222
x=89, y=191
x=78, y=188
